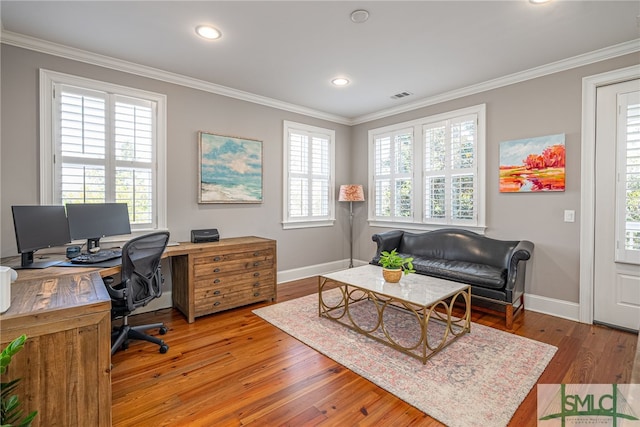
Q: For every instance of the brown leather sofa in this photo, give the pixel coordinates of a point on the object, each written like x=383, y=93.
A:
x=495, y=269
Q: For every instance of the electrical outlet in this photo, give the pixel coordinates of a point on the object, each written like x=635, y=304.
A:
x=569, y=216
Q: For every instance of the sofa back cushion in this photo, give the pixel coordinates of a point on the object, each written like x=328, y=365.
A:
x=459, y=245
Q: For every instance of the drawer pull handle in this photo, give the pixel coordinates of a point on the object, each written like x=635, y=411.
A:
x=256, y=254
x=217, y=303
x=255, y=264
x=257, y=294
x=256, y=285
x=217, y=270
x=256, y=274
x=216, y=281
x=216, y=258
x=216, y=292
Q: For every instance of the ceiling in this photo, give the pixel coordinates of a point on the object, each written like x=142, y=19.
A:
x=289, y=51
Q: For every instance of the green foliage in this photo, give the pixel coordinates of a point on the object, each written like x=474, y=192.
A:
x=394, y=261
x=10, y=412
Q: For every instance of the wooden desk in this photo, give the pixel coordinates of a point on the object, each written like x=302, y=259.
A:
x=65, y=365
x=65, y=313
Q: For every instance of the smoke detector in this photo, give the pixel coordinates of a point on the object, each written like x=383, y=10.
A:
x=359, y=16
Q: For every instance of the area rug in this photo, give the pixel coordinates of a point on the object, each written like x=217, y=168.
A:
x=478, y=380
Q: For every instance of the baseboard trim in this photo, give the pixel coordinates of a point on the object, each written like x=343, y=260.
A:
x=553, y=307
x=316, y=270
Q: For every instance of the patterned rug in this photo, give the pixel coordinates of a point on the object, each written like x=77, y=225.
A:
x=478, y=380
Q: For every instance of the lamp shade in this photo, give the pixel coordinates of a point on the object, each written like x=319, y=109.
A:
x=351, y=193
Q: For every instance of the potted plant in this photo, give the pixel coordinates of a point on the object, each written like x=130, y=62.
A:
x=10, y=405
x=393, y=265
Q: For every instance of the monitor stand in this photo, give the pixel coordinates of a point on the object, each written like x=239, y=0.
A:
x=93, y=245
x=26, y=262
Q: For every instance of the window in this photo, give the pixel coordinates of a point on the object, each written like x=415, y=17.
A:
x=309, y=176
x=103, y=143
x=628, y=183
x=429, y=172
x=394, y=174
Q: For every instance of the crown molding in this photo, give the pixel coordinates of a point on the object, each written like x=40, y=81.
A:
x=43, y=46
x=614, y=51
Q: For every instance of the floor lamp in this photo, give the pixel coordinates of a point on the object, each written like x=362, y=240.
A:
x=351, y=193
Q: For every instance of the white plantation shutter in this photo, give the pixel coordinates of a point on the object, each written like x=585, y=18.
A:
x=309, y=170
x=106, y=146
x=393, y=174
x=82, y=145
x=298, y=175
x=450, y=170
x=134, y=148
x=628, y=172
x=451, y=188
x=320, y=176
x=463, y=167
x=435, y=186
x=103, y=143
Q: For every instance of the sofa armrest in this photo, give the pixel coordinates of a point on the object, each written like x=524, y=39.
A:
x=387, y=241
x=517, y=270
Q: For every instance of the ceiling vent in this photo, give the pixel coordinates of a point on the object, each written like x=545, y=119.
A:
x=401, y=95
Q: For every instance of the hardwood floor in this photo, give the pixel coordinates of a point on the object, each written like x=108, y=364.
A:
x=235, y=369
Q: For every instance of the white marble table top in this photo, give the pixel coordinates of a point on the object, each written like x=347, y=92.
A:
x=414, y=288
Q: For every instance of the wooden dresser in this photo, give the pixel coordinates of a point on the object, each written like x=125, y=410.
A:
x=65, y=364
x=217, y=276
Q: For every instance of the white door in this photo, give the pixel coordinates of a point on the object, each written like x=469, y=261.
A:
x=617, y=210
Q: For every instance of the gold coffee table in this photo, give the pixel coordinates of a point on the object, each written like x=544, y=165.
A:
x=365, y=300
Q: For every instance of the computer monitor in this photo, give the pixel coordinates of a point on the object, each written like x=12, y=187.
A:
x=39, y=227
x=93, y=221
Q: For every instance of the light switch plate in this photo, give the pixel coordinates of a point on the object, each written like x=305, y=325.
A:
x=569, y=216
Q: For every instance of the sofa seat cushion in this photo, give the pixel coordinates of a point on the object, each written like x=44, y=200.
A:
x=461, y=271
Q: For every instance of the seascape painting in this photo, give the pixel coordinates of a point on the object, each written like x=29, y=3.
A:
x=533, y=164
x=230, y=169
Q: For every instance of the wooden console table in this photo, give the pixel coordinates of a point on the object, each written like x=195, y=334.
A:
x=212, y=277
x=65, y=364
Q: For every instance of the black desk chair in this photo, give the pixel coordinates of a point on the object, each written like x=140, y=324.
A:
x=141, y=282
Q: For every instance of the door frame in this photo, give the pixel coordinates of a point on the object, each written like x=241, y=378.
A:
x=587, y=181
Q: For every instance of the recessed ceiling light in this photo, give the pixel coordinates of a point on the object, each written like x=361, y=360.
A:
x=208, y=32
x=539, y=1
x=340, y=81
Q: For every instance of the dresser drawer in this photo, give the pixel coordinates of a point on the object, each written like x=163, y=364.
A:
x=222, y=257
x=233, y=283
x=231, y=267
x=232, y=300
x=220, y=264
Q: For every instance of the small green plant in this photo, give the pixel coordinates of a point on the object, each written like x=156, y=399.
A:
x=393, y=261
x=10, y=411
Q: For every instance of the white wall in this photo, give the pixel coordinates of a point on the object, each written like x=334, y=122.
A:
x=188, y=111
x=542, y=106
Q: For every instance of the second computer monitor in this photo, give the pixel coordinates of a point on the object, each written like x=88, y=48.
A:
x=93, y=221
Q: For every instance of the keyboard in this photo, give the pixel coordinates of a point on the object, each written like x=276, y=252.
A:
x=103, y=255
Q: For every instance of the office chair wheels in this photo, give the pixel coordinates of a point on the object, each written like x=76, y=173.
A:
x=164, y=348
x=163, y=330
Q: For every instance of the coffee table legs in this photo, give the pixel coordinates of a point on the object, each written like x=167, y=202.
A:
x=437, y=326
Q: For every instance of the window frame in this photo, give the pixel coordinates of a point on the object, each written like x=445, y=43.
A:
x=416, y=220
x=306, y=222
x=48, y=117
